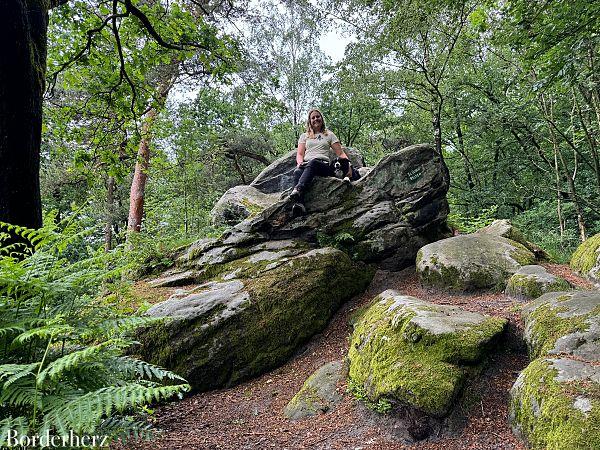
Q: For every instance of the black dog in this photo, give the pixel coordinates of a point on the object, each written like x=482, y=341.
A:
x=341, y=167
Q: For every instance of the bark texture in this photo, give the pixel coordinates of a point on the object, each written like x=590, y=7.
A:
x=23, y=28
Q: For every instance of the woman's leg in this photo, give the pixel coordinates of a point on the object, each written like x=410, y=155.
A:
x=313, y=168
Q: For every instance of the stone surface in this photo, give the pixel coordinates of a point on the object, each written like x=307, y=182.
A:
x=586, y=259
x=504, y=228
x=471, y=261
x=564, y=323
x=252, y=314
x=239, y=203
x=278, y=176
x=418, y=353
x=532, y=281
x=555, y=402
x=318, y=393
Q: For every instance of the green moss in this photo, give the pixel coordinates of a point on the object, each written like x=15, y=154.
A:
x=542, y=410
x=586, y=256
x=393, y=358
x=548, y=327
x=286, y=306
x=521, y=254
x=253, y=208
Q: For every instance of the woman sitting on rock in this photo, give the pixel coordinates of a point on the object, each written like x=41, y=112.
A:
x=313, y=157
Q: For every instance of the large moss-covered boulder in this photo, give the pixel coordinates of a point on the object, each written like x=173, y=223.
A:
x=586, y=259
x=251, y=314
x=318, y=394
x=239, y=203
x=418, y=353
x=532, y=281
x=564, y=323
x=555, y=402
x=470, y=262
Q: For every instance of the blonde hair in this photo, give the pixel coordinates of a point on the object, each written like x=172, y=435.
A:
x=309, y=131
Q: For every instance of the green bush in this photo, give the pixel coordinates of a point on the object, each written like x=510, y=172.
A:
x=62, y=349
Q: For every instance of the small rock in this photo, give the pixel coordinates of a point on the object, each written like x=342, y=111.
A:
x=318, y=394
x=532, y=281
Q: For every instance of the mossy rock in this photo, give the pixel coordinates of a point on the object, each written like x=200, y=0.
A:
x=418, y=353
x=318, y=393
x=564, y=323
x=586, y=259
x=504, y=228
x=239, y=203
x=250, y=318
x=471, y=262
x=532, y=281
x=555, y=404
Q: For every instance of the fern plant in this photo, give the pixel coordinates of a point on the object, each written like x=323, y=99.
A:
x=62, y=352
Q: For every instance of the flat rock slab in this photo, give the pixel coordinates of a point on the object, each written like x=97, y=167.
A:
x=555, y=404
x=318, y=394
x=471, y=262
x=418, y=353
x=532, y=281
x=252, y=315
x=564, y=323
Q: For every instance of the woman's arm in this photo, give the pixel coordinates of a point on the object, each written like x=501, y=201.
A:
x=337, y=148
x=300, y=153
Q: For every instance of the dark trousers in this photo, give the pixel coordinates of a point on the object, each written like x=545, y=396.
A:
x=304, y=174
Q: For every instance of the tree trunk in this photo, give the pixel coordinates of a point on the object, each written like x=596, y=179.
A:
x=140, y=174
x=461, y=145
x=23, y=28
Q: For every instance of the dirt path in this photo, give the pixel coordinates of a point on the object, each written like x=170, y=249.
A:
x=249, y=416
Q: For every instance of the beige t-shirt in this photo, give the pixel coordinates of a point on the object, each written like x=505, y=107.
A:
x=318, y=148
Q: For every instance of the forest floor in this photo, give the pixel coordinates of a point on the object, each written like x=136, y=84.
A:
x=250, y=415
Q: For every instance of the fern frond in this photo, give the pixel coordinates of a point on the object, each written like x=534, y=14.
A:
x=83, y=414
x=21, y=392
x=13, y=372
x=18, y=424
x=77, y=358
x=45, y=332
x=134, y=368
x=127, y=324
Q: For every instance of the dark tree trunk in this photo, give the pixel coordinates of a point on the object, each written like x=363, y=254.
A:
x=23, y=27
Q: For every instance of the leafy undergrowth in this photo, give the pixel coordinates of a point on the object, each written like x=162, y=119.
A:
x=63, y=362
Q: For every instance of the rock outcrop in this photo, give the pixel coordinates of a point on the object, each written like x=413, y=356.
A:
x=471, y=261
x=318, y=394
x=252, y=314
x=586, y=259
x=555, y=402
x=418, y=353
x=383, y=218
x=530, y=282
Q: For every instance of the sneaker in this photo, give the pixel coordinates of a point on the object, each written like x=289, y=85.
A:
x=295, y=196
x=298, y=209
